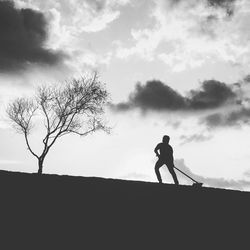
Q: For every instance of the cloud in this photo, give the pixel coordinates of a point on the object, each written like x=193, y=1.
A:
x=236, y=115
x=214, y=103
x=231, y=118
x=186, y=34
x=154, y=95
x=157, y=96
x=211, y=95
x=23, y=35
x=228, y=5
x=213, y=120
x=213, y=182
x=73, y=24
x=94, y=16
x=195, y=138
x=80, y=15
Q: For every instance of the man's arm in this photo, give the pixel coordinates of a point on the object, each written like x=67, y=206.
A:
x=156, y=150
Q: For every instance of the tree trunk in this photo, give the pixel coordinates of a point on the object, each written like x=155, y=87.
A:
x=40, y=166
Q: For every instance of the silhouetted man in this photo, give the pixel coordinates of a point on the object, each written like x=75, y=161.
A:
x=165, y=157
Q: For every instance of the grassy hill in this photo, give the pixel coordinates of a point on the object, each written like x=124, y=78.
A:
x=63, y=212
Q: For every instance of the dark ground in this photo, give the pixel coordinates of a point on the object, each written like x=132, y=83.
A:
x=63, y=212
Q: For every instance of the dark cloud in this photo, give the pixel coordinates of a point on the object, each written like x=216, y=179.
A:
x=213, y=120
x=242, y=115
x=231, y=118
x=212, y=182
x=23, y=33
x=228, y=5
x=247, y=79
x=225, y=105
x=157, y=96
x=212, y=94
x=220, y=3
x=154, y=95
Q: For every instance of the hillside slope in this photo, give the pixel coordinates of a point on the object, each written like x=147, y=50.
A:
x=63, y=212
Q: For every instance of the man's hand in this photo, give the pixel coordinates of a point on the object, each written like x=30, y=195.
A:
x=156, y=151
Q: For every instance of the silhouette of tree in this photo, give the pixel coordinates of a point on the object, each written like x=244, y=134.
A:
x=74, y=107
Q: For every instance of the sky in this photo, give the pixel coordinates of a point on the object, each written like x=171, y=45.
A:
x=174, y=67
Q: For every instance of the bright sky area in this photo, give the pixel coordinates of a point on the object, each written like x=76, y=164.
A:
x=195, y=54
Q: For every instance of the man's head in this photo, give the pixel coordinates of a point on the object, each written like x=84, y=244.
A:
x=165, y=139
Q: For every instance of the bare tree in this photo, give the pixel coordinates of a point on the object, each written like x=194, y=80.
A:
x=74, y=107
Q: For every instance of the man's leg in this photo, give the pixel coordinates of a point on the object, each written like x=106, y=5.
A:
x=172, y=172
x=158, y=164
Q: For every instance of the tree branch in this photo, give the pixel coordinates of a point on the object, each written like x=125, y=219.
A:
x=29, y=148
